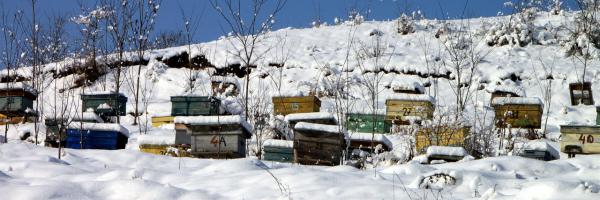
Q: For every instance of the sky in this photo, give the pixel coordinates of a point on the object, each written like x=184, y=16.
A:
x=296, y=13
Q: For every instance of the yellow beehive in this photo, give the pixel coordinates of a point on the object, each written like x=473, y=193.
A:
x=440, y=136
x=288, y=105
x=402, y=106
x=154, y=149
x=159, y=121
x=518, y=112
x=580, y=139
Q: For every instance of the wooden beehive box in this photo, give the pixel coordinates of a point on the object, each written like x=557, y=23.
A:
x=194, y=105
x=581, y=93
x=440, y=136
x=577, y=139
x=105, y=103
x=289, y=105
x=278, y=150
x=96, y=136
x=402, y=106
x=16, y=99
x=216, y=136
x=367, y=123
x=158, y=121
x=518, y=112
x=598, y=115
x=318, y=144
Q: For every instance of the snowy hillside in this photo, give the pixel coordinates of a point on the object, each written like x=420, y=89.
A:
x=317, y=61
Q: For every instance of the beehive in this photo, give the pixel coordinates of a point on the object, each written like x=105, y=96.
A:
x=105, y=103
x=367, y=123
x=440, y=136
x=16, y=99
x=581, y=93
x=580, y=139
x=96, y=136
x=318, y=144
x=518, y=112
x=158, y=121
x=402, y=106
x=216, y=136
x=278, y=150
x=194, y=105
x=288, y=105
x=598, y=115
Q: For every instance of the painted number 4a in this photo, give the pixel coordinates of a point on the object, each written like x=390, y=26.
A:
x=216, y=140
x=586, y=139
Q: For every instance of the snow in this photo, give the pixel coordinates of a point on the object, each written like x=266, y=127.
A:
x=506, y=88
x=99, y=127
x=446, y=151
x=317, y=127
x=213, y=120
x=102, y=93
x=33, y=172
x=88, y=115
x=18, y=86
x=517, y=101
x=308, y=116
x=164, y=139
x=278, y=143
x=409, y=84
x=410, y=97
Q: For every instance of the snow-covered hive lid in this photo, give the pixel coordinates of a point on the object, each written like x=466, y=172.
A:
x=308, y=116
x=317, y=127
x=88, y=115
x=507, y=88
x=536, y=146
x=499, y=101
x=214, y=120
x=278, y=143
x=407, y=84
x=17, y=86
x=92, y=93
x=410, y=97
x=446, y=151
x=99, y=127
x=163, y=139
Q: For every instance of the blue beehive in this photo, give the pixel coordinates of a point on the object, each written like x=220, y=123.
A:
x=96, y=136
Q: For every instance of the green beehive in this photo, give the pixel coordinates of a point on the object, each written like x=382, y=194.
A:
x=364, y=123
x=598, y=115
x=105, y=104
x=15, y=106
x=194, y=105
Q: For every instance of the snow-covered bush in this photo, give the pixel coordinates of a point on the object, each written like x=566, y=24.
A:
x=518, y=29
x=405, y=25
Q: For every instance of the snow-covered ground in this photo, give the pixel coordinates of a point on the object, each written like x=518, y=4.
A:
x=33, y=172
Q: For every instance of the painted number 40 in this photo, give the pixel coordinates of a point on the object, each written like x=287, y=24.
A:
x=586, y=139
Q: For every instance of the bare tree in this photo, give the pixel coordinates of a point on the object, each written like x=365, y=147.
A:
x=190, y=29
x=12, y=52
x=141, y=27
x=247, y=30
x=584, y=39
x=371, y=58
x=544, y=80
x=462, y=57
x=118, y=28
